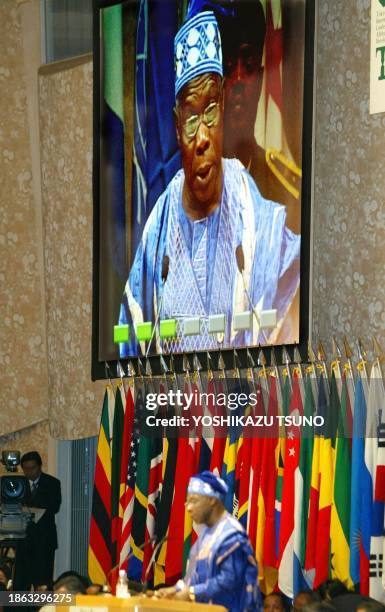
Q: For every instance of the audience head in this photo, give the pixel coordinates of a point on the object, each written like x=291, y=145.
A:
x=331, y=589
x=71, y=582
x=303, y=598
x=94, y=589
x=319, y=606
x=275, y=602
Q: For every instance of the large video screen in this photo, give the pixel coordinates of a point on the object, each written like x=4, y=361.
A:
x=198, y=175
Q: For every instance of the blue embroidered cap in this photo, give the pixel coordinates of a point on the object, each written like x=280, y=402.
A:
x=207, y=484
x=197, y=49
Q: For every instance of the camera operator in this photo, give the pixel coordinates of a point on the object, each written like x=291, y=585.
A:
x=36, y=553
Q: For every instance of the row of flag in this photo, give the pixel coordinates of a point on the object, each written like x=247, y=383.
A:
x=313, y=506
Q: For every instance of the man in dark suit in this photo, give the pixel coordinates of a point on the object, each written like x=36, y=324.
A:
x=36, y=554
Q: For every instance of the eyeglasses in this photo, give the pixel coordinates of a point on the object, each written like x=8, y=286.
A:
x=209, y=117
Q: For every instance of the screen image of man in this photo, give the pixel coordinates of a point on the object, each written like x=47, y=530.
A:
x=36, y=554
x=212, y=244
x=221, y=569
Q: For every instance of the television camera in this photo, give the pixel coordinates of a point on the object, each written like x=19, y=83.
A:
x=14, y=520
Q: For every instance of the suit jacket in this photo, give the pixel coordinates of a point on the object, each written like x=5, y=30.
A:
x=47, y=496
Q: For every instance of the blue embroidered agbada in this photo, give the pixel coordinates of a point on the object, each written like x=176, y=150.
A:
x=222, y=567
x=203, y=278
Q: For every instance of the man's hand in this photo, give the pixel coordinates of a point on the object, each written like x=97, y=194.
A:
x=166, y=593
x=183, y=595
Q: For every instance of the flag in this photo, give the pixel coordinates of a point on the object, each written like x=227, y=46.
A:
x=198, y=459
x=286, y=395
x=214, y=387
x=340, y=517
x=153, y=495
x=255, y=475
x=169, y=462
x=290, y=477
x=179, y=531
x=358, y=467
x=140, y=466
x=117, y=444
x=265, y=541
x=302, y=486
x=230, y=455
x=99, y=550
x=127, y=478
x=379, y=487
x=330, y=411
x=242, y=476
x=373, y=513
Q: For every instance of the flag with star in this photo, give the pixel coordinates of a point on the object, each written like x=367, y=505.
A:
x=140, y=468
x=290, y=478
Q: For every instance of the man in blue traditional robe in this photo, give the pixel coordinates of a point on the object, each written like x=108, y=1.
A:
x=222, y=568
x=212, y=244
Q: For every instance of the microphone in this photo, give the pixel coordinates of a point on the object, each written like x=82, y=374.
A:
x=240, y=257
x=165, y=270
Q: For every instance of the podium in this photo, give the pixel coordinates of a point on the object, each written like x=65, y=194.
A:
x=105, y=603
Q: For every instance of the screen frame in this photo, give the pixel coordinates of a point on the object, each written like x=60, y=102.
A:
x=100, y=369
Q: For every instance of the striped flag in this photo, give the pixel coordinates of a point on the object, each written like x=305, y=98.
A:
x=328, y=409
x=153, y=495
x=127, y=478
x=358, y=467
x=117, y=444
x=99, y=551
x=340, y=517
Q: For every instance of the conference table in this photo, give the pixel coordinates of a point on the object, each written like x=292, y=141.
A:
x=107, y=603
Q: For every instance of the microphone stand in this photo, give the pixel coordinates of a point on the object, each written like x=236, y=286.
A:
x=165, y=268
x=240, y=257
x=152, y=562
